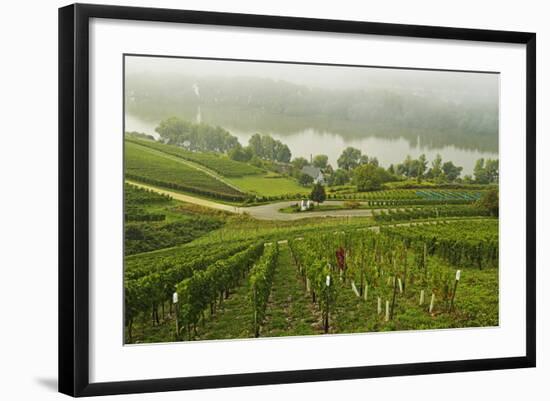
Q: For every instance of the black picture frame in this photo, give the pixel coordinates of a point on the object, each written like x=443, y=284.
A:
x=74, y=198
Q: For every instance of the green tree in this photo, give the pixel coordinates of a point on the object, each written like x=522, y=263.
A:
x=320, y=161
x=349, y=159
x=480, y=174
x=269, y=145
x=204, y=137
x=421, y=165
x=239, y=154
x=406, y=168
x=299, y=163
x=435, y=171
x=490, y=202
x=369, y=177
x=283, y=153
x=255, y=144
x=305, y=180
x=491, y=170
x=267, y=148
x=340, y=177
x=364, y=159
x=451, y=171
x=318, y=193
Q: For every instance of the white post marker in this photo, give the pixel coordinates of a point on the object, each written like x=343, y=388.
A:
x=366, y=292
x=308, y=288
x=328, y=281
x=379, y=306
x=175, y=302
x=400, y=285
x=421, y=297
x=457, y=279
x=432, y=302
x=387, y=318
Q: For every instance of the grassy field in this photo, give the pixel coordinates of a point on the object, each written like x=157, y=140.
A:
x=269, y=185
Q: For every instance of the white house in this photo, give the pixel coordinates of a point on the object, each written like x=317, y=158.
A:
x=315, y=173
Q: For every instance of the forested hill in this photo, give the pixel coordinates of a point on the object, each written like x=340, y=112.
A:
x=462, y=116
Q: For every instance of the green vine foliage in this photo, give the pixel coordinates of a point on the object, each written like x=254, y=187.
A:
x=261, y=278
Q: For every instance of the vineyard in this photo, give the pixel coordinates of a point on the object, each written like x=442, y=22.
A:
x=215, y=162
x=428, y=212
x=329, y=279
x=405, y=197
x=154, y=221
x=150, y=168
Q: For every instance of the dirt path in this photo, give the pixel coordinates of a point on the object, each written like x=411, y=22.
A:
x=233, y=319
x=270, y=211
x=262, y=212
x=289, y=311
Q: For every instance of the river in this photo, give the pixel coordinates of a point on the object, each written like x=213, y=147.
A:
x=310, y=141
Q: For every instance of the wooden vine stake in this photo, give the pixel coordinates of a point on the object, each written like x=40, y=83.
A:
x=175, y=302
x=354, y=288
x=387, y=317
x=393, y=298
x=421, y=297
x=366, y=291
x=379, y=306
x=457, y=279
x=327, y=310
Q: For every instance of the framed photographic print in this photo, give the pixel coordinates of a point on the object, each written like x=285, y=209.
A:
x=250, y=199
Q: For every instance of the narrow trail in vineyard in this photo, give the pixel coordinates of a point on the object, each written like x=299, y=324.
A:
x=233, y=319
x=289, y=311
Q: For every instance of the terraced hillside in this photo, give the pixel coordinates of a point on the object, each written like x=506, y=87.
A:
x=152, y=168
x=218, y=163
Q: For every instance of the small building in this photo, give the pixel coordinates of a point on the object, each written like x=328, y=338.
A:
x=305, y=204
x=315, y=173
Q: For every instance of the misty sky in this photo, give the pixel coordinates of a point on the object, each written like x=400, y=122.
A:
x=330, y=77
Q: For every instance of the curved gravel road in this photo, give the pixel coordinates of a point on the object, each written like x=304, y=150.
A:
x=262, y=212
x=271, y=211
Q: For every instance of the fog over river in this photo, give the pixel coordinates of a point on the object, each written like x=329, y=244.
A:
x=387, y=113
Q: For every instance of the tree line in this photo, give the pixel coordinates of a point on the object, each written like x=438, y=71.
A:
x=353, y=167
x=359, y=169
x=207, y=138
